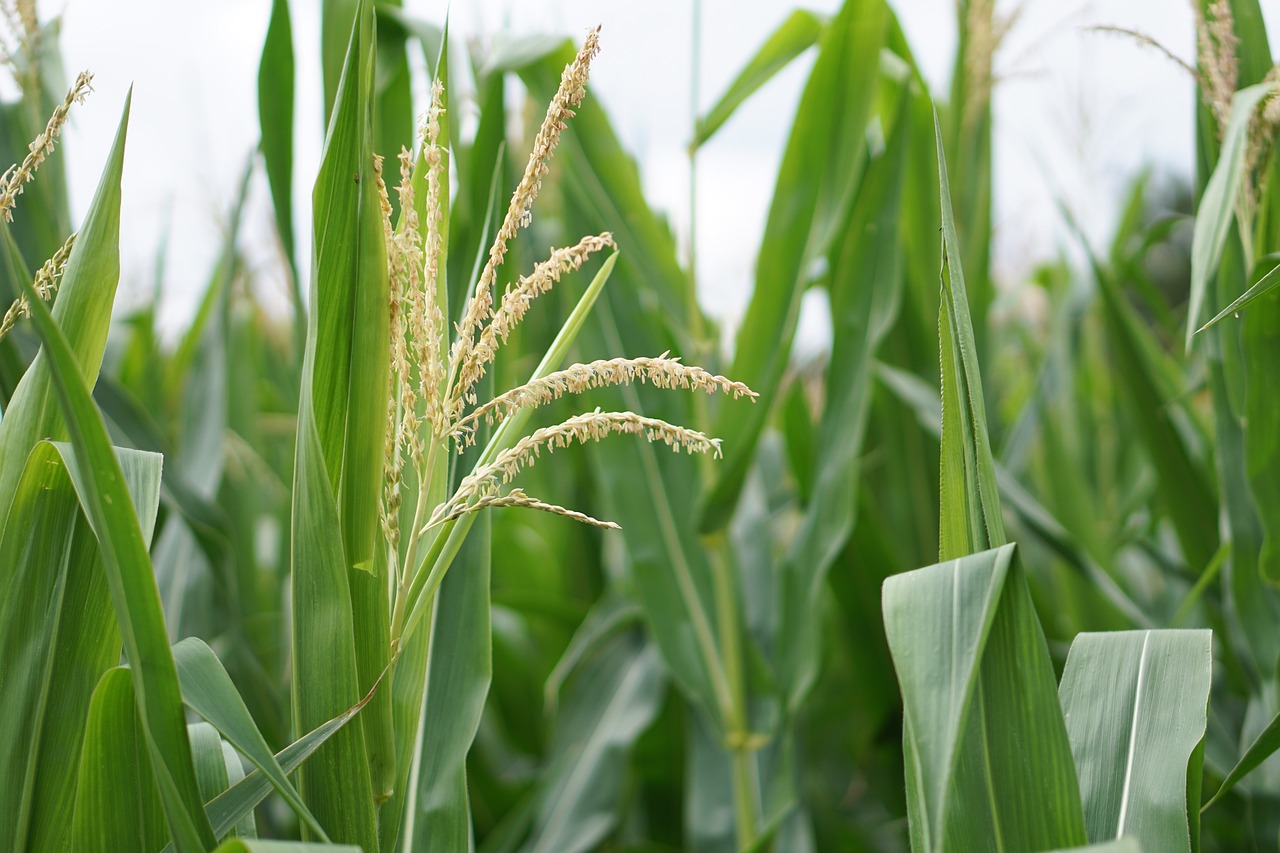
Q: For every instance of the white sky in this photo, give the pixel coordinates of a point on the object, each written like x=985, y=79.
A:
x=1078, y=114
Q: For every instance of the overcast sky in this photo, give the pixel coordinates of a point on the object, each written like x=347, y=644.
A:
x=1078, y=114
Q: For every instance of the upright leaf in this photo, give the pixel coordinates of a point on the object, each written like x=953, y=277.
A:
x=275, y=118
x=865, y=288
x=83, y=312
x=340, y=628
x=1218, y=204
x=970, y=514
x=987, y=748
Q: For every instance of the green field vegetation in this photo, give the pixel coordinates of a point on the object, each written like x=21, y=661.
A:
x=968, y=581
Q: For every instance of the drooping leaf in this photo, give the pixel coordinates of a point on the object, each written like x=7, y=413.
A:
x=794, y=36
x=1261, y=288
x=209, y=691
x=1266, y=744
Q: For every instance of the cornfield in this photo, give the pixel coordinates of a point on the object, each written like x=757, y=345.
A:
x=483, y=546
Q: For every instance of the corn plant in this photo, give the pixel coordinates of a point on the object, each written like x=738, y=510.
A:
x=279, y=525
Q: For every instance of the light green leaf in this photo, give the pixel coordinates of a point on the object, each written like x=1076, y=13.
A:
x=1136, y=707
x=242, y=845
x=1266, y=744
x=237, y=803
x=865, y=285
x=275, y=118
x=334, y=510
x=83, y=312
x=1264, y=285
x=459, y=668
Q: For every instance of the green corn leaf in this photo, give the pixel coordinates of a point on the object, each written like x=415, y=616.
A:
x=1266, y=744
x=1188, y=494
x=394, y=123
x=275, y=118
x=100, y=484
x=1136, y=707
x=462, y=628
x=117, y=805
x=452, y=699
x=800, y=31
x=970, y=503
x=83, y=312
x=865, y=286
x=59, y=635
x=1218, y=204
x=1032, y=516
x=243, y=845
x=209, y=691
x=817, y=175
x=614, y=698
x=987, y=750
x=456, y=619
x=1122, y=845
x=610, y=614
x=340, y=629
x=648, y=310
x=1264, y=285
x=336, y=20
x=210, y=760
x=237, y=803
